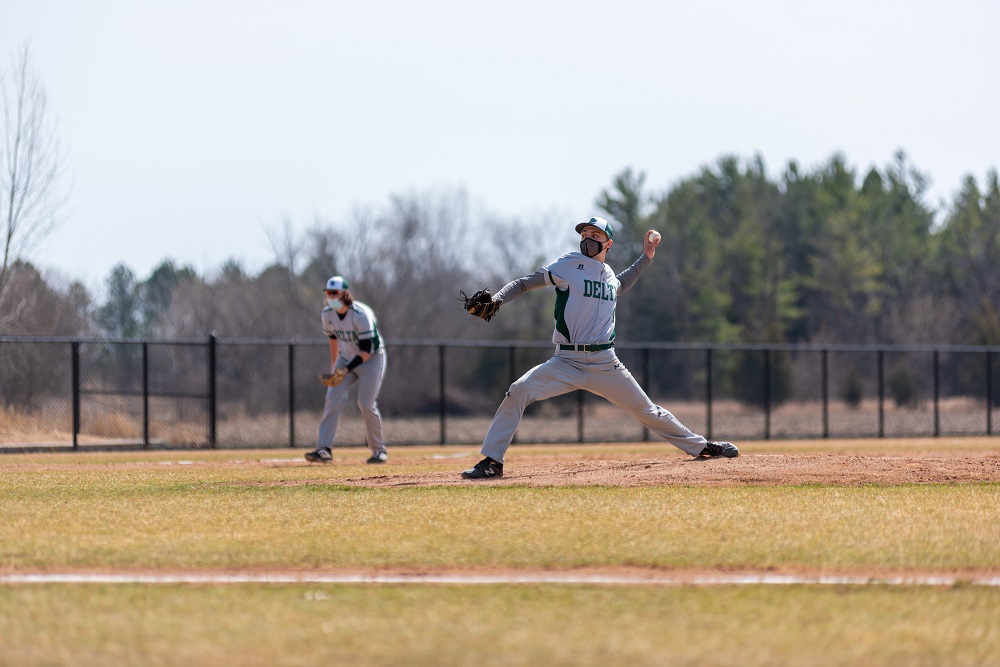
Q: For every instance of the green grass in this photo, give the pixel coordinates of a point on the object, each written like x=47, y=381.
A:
x=299, y=624
x=243, y=517
x=132, y=511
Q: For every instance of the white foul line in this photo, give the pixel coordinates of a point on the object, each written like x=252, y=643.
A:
x=509, y=578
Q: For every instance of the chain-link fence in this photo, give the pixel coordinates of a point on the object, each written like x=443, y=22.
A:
x=217, y=392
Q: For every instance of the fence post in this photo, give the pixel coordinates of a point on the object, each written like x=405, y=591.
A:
x=145, y=395
x=825, y=371
x=767, y=394
x=441, y=391
x=881, y=394
x=708, y=393
x=291, y=394
x=212, y=416
x=937, y=395
x=989, y=392
x=75, y=361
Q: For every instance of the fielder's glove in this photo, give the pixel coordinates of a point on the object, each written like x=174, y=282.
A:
x=334, y=378
x=481, y=304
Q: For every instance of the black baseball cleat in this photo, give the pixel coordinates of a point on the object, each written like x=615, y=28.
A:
x=726, y=449
x=378, y=457
x=485, y=469
x=321, y=455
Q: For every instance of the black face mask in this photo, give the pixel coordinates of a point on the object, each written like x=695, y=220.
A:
x=591, y=247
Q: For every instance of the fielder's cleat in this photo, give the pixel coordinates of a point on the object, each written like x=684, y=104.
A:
x=321, y=455
x=378, y=457
x=484, y=470
x=726, y=449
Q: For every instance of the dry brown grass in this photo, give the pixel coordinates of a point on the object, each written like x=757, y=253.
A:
x=117, y=420
x=226, y=511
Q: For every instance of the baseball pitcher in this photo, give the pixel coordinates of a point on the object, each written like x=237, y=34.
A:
x=587, y=292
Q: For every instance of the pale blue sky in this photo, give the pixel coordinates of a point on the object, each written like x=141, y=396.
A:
x=191, y=127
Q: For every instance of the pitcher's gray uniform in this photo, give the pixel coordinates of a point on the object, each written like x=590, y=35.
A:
x=587, y=292
x=357, y=324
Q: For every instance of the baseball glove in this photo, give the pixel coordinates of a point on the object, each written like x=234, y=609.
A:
x=334, y=378
x=481, y=304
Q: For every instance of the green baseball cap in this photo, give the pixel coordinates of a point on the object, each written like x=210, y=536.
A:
x=600, y=223
x=336, y=284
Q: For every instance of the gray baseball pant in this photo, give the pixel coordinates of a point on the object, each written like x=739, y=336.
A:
x=600, y=373
x=368, y=377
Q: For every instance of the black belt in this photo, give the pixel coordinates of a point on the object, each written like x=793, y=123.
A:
x=586, y=348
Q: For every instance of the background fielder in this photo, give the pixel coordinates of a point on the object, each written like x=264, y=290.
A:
x=587, y=292
x=357, y=357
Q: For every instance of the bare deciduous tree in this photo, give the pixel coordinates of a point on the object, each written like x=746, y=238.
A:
x=31, y=183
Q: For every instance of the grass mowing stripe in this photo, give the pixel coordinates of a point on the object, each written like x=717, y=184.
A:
x=156, y=520
x=647, y=578
x=314, y=624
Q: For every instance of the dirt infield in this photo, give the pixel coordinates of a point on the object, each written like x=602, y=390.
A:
x=760, y=469
x=845, y=463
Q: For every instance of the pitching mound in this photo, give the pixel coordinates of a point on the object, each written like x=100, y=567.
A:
x=764, y=469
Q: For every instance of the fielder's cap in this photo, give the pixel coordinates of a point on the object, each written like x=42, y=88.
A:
x=600, y=223
x=337, y=283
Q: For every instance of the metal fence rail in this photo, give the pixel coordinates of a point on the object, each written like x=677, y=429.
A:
x=228, y=392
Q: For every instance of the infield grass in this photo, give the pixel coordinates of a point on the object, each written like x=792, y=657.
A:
x=241, y=517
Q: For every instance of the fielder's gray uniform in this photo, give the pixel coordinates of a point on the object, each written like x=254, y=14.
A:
x=359, y=323
x=587, y=292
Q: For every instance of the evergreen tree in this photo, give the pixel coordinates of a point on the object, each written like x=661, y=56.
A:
x=970, y=258
x=120, y=315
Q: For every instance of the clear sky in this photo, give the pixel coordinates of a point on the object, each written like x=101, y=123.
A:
x=192, y=127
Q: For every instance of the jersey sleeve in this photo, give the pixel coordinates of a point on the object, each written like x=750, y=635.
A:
x=630, y=276
x=364, y=324
x=556, y=272
x=516, y=288
x=324, y=322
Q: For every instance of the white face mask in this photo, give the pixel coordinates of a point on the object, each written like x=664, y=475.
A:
x=335, y=303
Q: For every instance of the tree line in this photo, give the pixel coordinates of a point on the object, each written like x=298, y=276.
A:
x=824, y=256
x=821, y=256
x=813, y=256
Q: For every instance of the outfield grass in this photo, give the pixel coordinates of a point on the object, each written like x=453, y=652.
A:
x=144, y=511
x=250, y=625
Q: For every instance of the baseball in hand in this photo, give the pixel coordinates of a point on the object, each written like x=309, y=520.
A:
x=653, y=237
